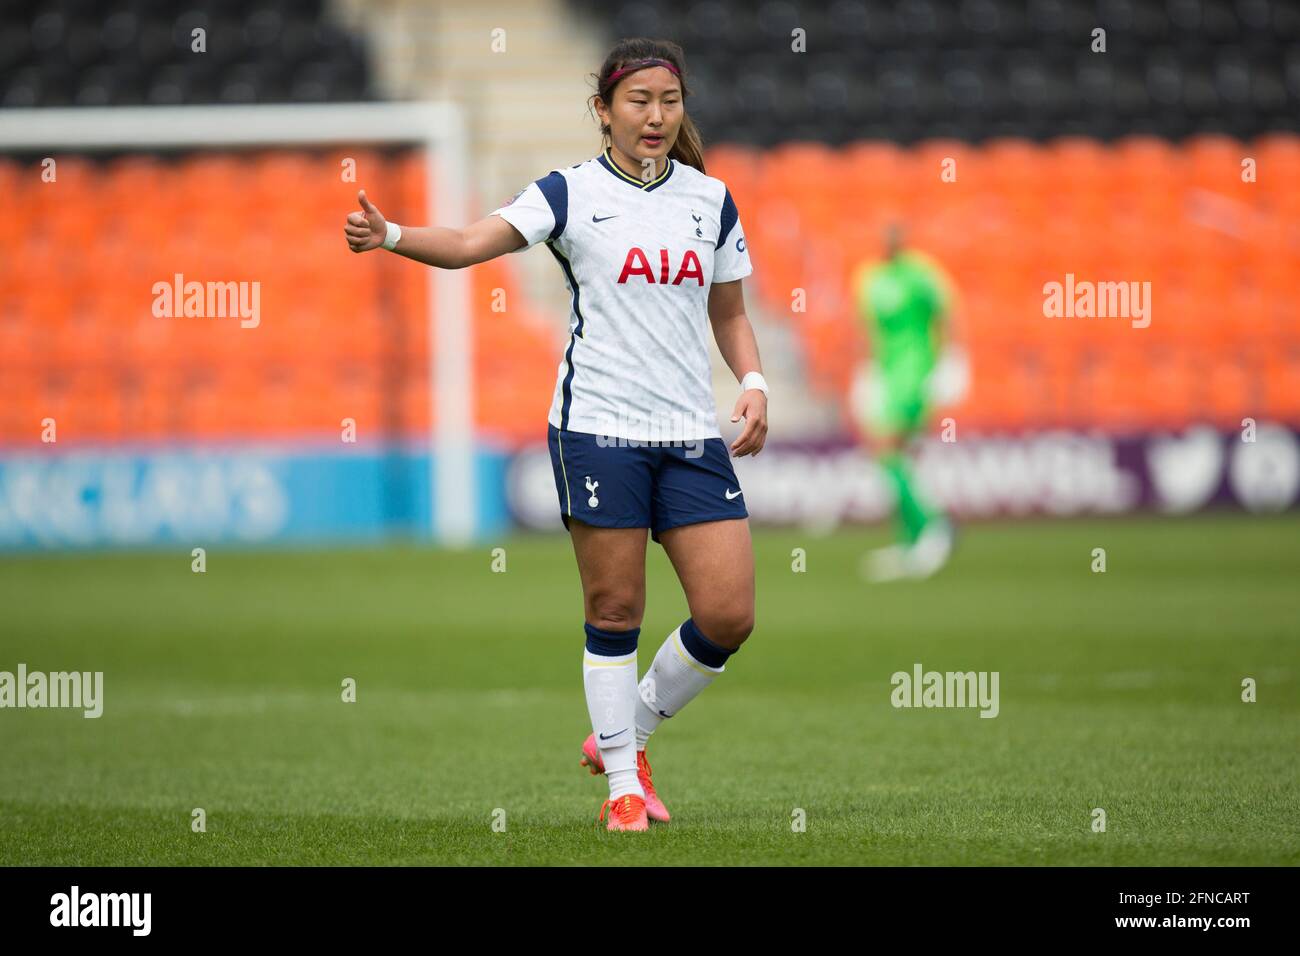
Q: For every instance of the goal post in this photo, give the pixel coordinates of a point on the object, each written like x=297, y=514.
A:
x=438, y=127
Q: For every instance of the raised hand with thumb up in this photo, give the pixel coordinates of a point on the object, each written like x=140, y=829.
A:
x=367, y=229
x=437, y=246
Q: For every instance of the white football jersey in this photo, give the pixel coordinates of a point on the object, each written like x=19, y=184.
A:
x=638, y=259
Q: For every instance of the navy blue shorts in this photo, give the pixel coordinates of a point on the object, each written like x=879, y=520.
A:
x=611, y=483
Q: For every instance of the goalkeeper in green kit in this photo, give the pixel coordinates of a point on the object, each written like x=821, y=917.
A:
x=905, y=303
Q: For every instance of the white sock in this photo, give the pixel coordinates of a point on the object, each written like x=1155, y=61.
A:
x=674, y=679
x=610, y=683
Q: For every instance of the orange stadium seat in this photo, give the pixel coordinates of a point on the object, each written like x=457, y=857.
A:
x=739, y=168
x=1280, y=384
x=416, y=411
x=344, y=332
x=1215, y=165
x=1102, y=213
x=1229, y=389
x=21, y=414
x=149, y=403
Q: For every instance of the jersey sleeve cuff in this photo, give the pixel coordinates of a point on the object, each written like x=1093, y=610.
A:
x=516, y=218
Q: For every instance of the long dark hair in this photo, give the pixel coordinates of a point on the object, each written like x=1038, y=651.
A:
x=689, y=146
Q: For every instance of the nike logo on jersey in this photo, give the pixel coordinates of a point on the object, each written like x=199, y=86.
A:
x=603, y=218
x=731, y=496
x=663, y=715
x=604, y=737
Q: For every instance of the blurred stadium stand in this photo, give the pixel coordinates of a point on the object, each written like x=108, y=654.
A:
x=351, y=333
x=910, y=70
x=1123, y=166
x=350, y=338
x=138, y=52
x=1221, y=256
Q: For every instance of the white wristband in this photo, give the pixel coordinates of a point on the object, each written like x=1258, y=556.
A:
x=753, y=380
x=394, y=233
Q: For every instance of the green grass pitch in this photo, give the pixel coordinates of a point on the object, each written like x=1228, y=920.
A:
x=1119, y=690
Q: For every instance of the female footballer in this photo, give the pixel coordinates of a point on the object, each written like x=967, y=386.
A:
x=649, y=247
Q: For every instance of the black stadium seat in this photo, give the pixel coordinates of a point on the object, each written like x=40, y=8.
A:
x=896, y=68
x=924, y=68
x=122, y=52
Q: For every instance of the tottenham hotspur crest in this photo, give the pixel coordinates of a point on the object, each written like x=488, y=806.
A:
x=593, y=501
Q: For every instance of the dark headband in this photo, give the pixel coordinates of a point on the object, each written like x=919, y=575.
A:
x=641, y=65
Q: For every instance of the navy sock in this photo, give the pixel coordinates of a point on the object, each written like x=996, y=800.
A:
x=701, y=648
x=611, y=643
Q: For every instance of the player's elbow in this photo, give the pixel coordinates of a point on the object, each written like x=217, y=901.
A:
x=444, y=249
x=470, y=250
x=461, y=253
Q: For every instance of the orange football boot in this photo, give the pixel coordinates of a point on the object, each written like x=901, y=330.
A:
x=654, y=807
x=625, y=813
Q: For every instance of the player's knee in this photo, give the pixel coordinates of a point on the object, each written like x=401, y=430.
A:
x=727, y=626
x=614, y=611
